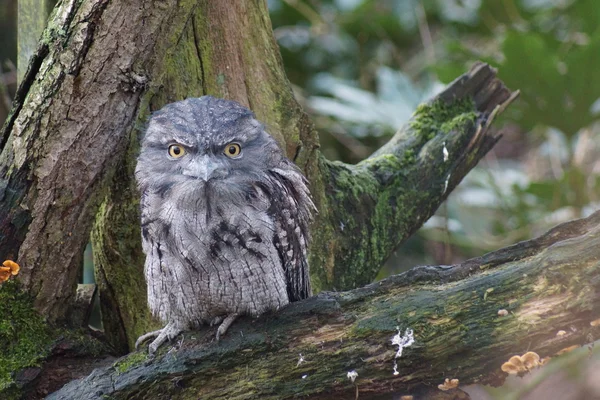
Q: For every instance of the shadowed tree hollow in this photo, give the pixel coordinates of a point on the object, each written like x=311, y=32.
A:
x=66, y=171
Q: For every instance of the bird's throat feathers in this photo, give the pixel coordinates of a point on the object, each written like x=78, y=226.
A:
x=197, y=201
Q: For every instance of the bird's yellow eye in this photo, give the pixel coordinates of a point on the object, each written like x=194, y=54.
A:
x=176, y=151
x=232, y=150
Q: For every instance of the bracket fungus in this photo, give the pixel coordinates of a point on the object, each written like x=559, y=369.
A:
x=449, y=384
x=521, y=364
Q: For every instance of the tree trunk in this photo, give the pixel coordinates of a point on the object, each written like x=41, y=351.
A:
x=468, y=320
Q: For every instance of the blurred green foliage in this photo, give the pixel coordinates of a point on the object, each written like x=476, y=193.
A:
x=548, y=49
x=8, y=31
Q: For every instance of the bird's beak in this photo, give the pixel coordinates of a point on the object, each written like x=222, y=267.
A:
x=202, y=169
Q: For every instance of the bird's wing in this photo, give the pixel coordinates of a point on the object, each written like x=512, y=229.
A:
x=291, y=209
x=156, y=283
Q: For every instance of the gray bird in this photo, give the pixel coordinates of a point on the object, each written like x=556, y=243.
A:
x=225, y=218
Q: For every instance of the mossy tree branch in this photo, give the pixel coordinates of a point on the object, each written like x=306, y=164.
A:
x=547, y=284
x=340, y=259
x=371, y=207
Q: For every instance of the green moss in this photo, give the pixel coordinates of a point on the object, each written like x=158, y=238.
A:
x=284, y=110
x=368, y=218
x=431, y=118
x=409, y=157
x=116, y=262
x=131, y=360
x=24, y=336
x=382, y=162
x=460, y=122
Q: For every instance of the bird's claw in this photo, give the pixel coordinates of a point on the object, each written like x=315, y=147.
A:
x=225, y=325
x=145, y=337
x=169, y=332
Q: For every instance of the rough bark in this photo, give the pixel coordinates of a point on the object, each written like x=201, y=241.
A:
x=547, y=284
x=68, y=147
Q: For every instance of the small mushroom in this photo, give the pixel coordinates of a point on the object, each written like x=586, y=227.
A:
x=561, y=333
x=510, y=368
x=12, y=266
x=530, y=360
x=7, y=269
x=448, y=384
x=4, y=275
x=502, y=313
x=516, y=361
x=520, y=364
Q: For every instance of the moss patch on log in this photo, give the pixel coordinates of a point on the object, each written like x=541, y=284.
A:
x=431, y=118
x=25, y=339
x=130, y=361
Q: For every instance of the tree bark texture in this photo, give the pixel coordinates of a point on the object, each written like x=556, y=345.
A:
x=68, y=147
x=547, y=285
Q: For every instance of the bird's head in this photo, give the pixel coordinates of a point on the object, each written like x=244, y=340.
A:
x=204, y=141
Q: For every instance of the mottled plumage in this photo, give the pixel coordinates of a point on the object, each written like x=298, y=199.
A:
x=224, y=233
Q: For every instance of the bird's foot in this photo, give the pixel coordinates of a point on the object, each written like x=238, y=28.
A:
x=169, y=332
x=226, y=324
